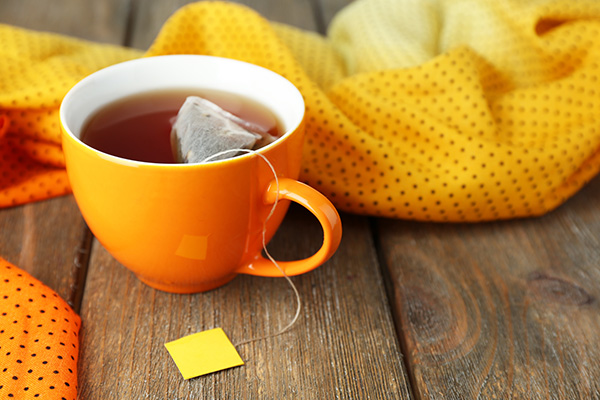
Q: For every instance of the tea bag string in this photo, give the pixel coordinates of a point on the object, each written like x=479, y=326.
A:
x=264, y=245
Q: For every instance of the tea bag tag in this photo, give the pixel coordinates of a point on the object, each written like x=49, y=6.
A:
x=203, y=353
x=210, y=351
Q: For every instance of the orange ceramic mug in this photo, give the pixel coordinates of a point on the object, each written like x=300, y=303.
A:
x=192, y=227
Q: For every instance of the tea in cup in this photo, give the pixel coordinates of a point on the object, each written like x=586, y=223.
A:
x=188, y=227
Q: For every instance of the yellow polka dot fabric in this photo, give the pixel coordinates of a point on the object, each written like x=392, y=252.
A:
x=39, y=339
x=445, y=110
x=474, y=110
x=36, y=71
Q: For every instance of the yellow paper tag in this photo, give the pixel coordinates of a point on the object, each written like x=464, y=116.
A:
x=203, y=352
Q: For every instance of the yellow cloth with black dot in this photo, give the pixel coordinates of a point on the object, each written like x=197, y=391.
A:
x=445, y=110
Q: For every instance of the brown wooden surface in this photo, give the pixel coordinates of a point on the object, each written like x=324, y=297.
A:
x=481, y=311
x=500, y=310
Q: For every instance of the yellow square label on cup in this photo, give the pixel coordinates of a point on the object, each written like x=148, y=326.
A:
x=203, y=352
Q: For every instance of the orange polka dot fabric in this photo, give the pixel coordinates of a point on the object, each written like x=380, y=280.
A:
x=38, y=339
x=467, y=110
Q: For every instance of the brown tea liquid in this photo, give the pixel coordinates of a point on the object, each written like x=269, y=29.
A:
x=139, y=127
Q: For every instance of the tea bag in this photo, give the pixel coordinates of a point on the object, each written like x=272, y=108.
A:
x=203, y=129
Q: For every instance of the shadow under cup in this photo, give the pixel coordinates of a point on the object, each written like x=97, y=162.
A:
x=192, y=227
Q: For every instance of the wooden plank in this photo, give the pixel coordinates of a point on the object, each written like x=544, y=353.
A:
x=329, y=9
x=101, y=21
x=150, y=15
x=343, y=346
x=500, y=310
x=49, y=239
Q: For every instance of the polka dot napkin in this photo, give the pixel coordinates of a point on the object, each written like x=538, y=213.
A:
x=445, y=110
x=38, y=339
x=36, y=71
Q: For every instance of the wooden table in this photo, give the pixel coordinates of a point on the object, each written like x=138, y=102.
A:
x=403, y=310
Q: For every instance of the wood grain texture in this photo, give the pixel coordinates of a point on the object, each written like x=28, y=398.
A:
x=150, y=15
x=101, y=21
x=342, y=347
x=45, y=239
x=500, y=310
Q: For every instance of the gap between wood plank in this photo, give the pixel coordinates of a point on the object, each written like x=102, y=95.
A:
x=81, y=263
x=317, y=11
x=389, y=291
x=130, y=23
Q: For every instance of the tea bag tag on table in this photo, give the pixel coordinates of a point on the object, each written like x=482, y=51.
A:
x=204, y=130
x=203, y=353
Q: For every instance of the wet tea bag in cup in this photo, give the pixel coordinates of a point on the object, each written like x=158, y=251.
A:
x=202, y=129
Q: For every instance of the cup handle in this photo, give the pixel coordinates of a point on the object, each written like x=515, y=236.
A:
x=327, y=215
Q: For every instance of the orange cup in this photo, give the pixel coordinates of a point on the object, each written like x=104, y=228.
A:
x=189, y=228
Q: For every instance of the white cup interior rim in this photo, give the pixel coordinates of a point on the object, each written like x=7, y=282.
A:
x=181, y=72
